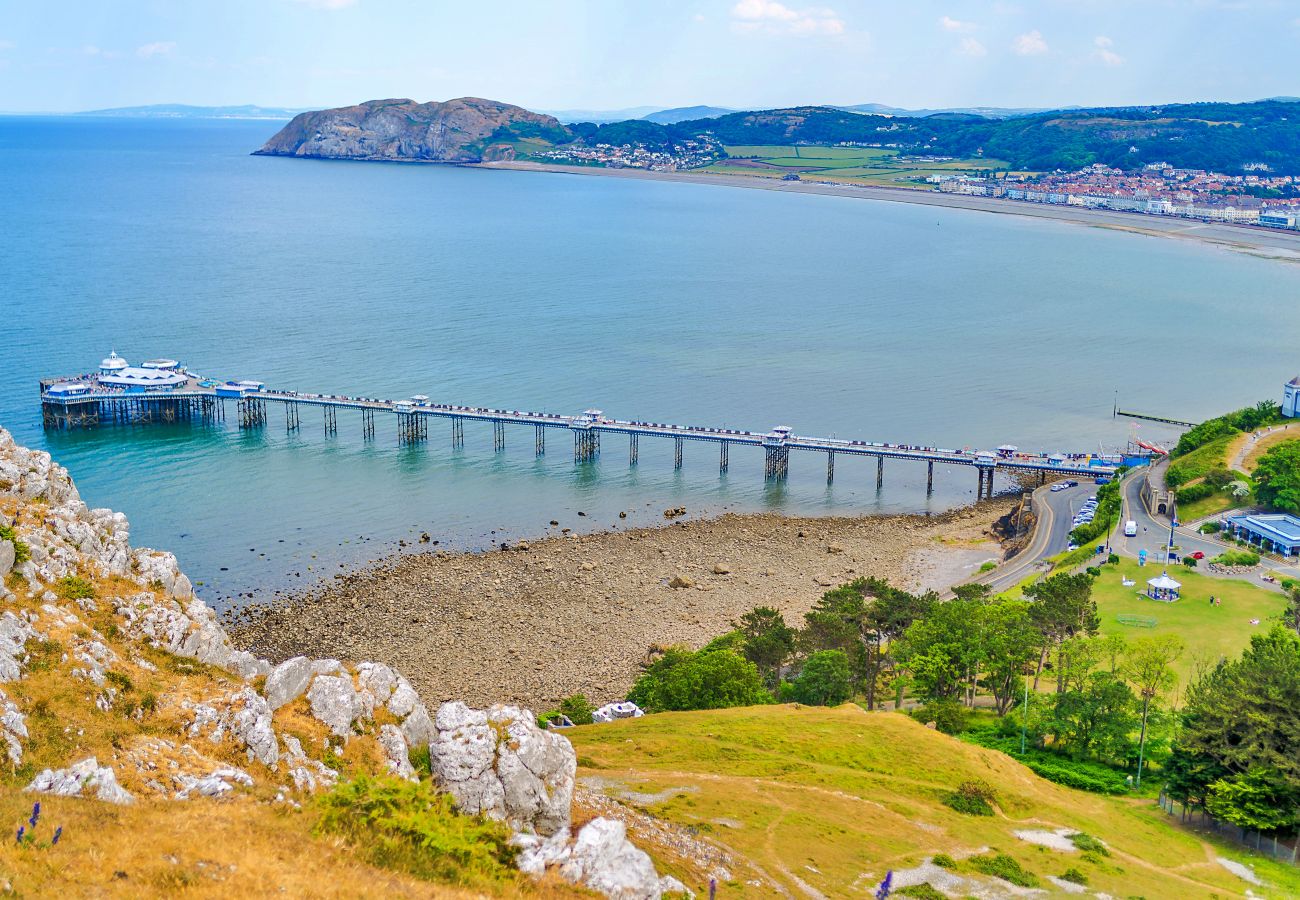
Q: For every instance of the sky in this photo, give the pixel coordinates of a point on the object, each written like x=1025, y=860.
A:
x=71, y=55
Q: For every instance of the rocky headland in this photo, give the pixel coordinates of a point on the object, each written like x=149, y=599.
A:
x=542, y=620
x=119, y=687
x=465, y=130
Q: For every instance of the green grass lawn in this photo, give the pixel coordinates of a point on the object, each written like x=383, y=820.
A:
x=1216, y=503
x=1210, y=632
x=851, y=165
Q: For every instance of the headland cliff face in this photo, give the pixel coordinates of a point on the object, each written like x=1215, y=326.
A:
x=465, y=130
x=121, y=687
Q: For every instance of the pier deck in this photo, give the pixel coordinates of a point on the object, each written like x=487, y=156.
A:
x=205, y=401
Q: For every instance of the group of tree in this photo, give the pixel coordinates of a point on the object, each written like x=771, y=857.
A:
x=1277, y=477
x=1237, y=755
x=1248, y=419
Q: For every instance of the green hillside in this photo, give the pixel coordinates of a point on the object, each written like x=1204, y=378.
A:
x=829, y=800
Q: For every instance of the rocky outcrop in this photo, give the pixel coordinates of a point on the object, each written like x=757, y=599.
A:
x=86, y=778
x=213, y=733
x=601, y=858
x=499, y=763
x=466, y=130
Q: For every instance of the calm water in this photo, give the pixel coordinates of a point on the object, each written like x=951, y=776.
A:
x=666, y=302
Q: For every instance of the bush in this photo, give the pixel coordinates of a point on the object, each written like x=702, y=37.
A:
x=948, y=716
x=708, y=679
x=1074, y=876
x=74, y=587
x=1088, y=844
x=974, y=798
x=1210, y=527
x=944, y=861
x=410, y=827
x=1113, y=559
x=1194, y=492
x=1006, y=868
x=1236, y=558
x=988, y=566
x=1081, y=775
x=577, y=708
x=22, y=552
x=1189, y=562
x=825, y=679
x=923, y=891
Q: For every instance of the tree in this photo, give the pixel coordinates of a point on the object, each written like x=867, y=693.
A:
x=1277, y=477
x=1146, y=667
x=768, y=641
x=1063, y=607
x=1258, y=800
x=863, y=618
x=706, y=679
x=1291, y=615
x=1097, y=720
x=824, y=680
x=1242, y=716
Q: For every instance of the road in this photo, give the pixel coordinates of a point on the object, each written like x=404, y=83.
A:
x=1153, y=535
x=1051, y=535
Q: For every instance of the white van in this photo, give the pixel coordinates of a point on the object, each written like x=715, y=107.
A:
x=1130, y=528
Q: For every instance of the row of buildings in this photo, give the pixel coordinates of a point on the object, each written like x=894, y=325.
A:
x=1157, y=189
x=689, y=154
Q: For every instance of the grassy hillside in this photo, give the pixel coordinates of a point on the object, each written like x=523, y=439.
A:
x=828, y=800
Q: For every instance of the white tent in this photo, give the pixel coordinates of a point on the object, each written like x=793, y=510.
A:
x=1162, y=587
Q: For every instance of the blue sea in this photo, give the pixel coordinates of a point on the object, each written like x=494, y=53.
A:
x=667, y=302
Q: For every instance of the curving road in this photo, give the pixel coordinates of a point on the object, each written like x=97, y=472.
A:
x=1051, y=535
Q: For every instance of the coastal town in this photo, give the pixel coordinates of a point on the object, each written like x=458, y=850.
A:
x=1255, y=198
x=688, y=154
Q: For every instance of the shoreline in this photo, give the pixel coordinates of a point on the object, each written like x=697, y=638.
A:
x=578, y=613
x=1264, y=243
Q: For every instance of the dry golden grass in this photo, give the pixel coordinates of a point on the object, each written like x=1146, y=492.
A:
x=219, y=849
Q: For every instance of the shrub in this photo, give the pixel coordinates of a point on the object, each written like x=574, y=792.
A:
x=682, y=679
x=22, y=552
x=1236, y=558
x=825, y=679
x=1081, y=775
x=948, y=716
x=923, y=890
x=1005, y=867
x=74, y=587
x=1194, y=492
x=1189, y=562
x=1210, y=527
x=944, y=861
x=1074, y=876
x=1088, y=844
x=1113, y=559
x=1094, y=571
x=974, y=798
x=988, y=566
x=412, y=828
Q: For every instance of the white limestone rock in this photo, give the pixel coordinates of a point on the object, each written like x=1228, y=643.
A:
x=14, y=635
x=397, y=755
x=287, y=681
x=13, y=728
x=79, y=779
x=307, y=774
x=245, y=717
x=500, y=764
x=219, y=783
x=334, y=701
x=7, y=557
x=603, y=859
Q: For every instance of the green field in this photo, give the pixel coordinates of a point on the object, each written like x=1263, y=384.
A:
x=825, y=801
x=1210, y=632
x=845, y=165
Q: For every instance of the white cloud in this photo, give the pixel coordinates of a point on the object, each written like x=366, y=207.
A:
x=948, y=23
x=972, y=47
x=771, y=17
x=327, y=4
x=157, y=48
x=7, y=45
x=1105, y=53
x=1030, y=44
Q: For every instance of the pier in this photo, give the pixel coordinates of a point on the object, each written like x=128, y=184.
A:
x=86, y=401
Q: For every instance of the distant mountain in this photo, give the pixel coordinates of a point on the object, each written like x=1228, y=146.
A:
x=182, y=111
x=468, y=129
x=600, y=116
x=984, y=112
x=686, y=113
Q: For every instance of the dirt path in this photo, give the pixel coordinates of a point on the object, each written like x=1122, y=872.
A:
x=1246, y=450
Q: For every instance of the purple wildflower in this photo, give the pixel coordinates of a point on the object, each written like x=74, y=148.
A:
x=882, y=892
x=58, y=833
x=36, y=813
x=21, y=829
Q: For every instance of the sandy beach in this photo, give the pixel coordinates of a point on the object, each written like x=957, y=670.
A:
x=1266, y=242
x=577, y=614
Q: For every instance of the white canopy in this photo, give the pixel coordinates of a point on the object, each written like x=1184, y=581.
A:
x=1164, y=583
